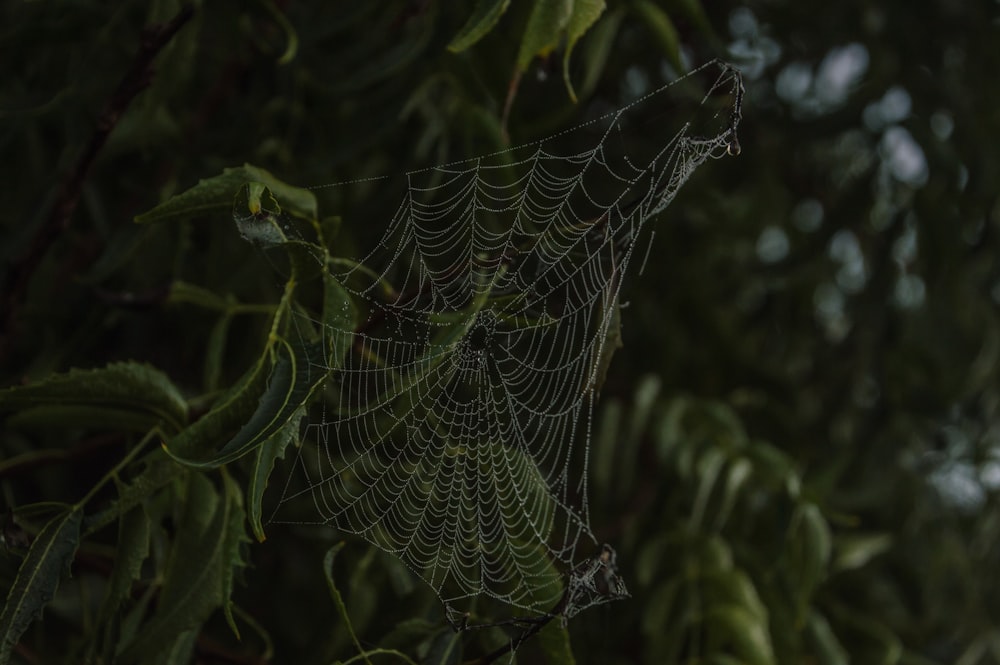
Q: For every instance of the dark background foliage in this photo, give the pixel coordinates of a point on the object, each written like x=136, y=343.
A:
x=796, y=453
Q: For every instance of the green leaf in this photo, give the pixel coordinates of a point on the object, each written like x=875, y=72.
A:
x=658, y=614
x=232, y=411
x=610, y=344
x=130, y=552
x=585, y=14
x=180, y=652
x=725, y=586
x=340, y=317
x=216, y=351
x=283, y=381
x=828, y=648
x=197, y=444
x=598, y=48
x=810, y=546
x=233, y=548
x=127, y=395
x=695, y=13
x=723, y=659
x=545, y=27
x=214, y=196
x=773, y=467
x=298, y=370
x=484, y=16
x=261, y=222
x=663, y=29
x=747, y=634
x=816, y=532
x=291, y=36
x=338, y=599
x=739, y=471
x=642, y=408
x=258, y=216
x=267, y=455
x=69, y=416
x=554, y=642
x=199, y=571
x=855, y=551
x=708, y=469
x=446, y=648
x=132, y=621
x=38, y=578
x=605, y=446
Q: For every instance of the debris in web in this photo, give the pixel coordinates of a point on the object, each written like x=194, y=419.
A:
x=455, y=434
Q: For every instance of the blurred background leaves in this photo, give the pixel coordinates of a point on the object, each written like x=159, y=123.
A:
x=796, y=455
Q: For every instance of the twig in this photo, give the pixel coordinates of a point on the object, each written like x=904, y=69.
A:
x=135, y=80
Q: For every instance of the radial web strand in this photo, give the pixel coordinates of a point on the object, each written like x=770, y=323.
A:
x=455, y=436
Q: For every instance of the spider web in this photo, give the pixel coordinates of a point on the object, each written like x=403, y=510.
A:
x=455, y=436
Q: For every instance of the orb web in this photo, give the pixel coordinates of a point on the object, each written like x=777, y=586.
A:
x=455, y=434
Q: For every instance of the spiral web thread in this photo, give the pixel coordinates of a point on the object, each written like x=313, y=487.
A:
x=456, y=434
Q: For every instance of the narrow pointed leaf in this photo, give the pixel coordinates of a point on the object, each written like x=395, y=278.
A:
x=200, y=563
x=658, y=21
x=339, y=319
x=131, y=550
x=337, y=598
x=829, y=650
x=199, y=443
x=291, y=36
x=555, y=644
x=66, y=416
x=266, y=456
x=585, y=14
x=598, y=48
x=235, y=408
x=545, y=27
x=215, y=352
x=484, y=17
x=723, y=586
x=38, y=578
x=611, y=343
x=213, y=197
x=856, y=550
x=298, y=370
x=817, y=541
x=181, y=651
x=748, y=635
x=695, y=12
x=131, y=395
x=739, y=471
x=233, y=548
x=708, y=468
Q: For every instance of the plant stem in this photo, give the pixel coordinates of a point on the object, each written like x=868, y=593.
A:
x=113, y=473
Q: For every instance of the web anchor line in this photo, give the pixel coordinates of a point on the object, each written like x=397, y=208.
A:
x=454, y=434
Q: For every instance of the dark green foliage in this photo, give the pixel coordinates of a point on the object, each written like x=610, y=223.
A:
x=126, y=396
x=796, y=458
x=38, y=577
